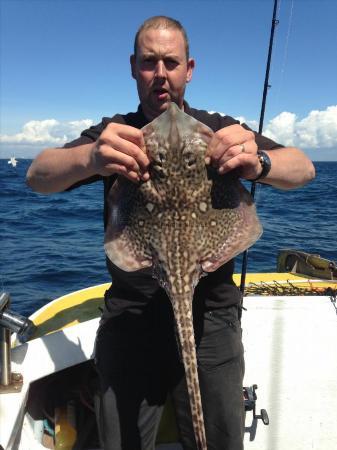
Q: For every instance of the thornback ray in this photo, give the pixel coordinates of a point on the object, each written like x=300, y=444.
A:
x=185, y=221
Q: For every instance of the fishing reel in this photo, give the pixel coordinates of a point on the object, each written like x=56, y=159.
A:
x=250, y=398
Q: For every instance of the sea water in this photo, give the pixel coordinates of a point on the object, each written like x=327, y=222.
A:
x=52, y=245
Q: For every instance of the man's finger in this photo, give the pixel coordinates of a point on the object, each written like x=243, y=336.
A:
x=132, y=150
x=126, y=139
x=225, y=139
x=235, y=151
x=110, y=156
x=122, y=170
x=233, y=163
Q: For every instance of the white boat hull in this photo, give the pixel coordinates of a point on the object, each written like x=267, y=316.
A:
x=290, y=353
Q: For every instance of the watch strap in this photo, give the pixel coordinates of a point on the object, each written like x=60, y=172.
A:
x=265, y=162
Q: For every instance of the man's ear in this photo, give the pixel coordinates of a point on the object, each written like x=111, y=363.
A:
x=133, y=66
x=190, y=68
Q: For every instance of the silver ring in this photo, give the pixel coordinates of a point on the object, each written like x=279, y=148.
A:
x=242, y=146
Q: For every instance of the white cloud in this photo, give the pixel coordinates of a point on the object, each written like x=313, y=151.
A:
x=317, y=130
x=253, y=124
x=316, y=133
x=282, y=128
x=217, y=112
x=47, y=132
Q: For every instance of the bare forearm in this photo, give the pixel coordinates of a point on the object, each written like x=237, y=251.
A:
x=56, y=169
x=290, y=168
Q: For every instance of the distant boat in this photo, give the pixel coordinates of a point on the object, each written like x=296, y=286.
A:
x=13, y=161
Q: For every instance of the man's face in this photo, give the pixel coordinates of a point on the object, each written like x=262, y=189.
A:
x=161, y=70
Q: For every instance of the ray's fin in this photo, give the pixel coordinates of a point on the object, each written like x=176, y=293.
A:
x=123, y=247
x=234, y=217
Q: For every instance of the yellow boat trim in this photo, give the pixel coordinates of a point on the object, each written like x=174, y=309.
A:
x=297, y=279
x=85, y=304
x=69, y=310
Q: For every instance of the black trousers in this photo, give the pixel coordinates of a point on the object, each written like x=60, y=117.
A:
x=138, y=363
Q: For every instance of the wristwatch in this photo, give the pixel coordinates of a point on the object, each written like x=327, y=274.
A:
x=265, y=162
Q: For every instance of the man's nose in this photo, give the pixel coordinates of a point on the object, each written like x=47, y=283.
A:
x=160, y=70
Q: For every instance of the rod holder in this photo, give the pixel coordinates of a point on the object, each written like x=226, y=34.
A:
x=11, y=322
x=5, y=361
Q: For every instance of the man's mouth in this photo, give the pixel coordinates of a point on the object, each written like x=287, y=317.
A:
x=161, y=93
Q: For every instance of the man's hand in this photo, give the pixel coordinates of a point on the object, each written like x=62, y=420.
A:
x=234, y=147
x=121, y=149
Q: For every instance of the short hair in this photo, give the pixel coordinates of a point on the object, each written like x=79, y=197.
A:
x=162, y=22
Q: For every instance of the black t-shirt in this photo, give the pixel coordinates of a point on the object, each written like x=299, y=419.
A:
x=134, y=290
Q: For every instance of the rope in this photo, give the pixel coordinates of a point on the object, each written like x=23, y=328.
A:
x=289, y=289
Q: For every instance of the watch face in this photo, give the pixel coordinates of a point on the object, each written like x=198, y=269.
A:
x=261, y=159
x=265, y=163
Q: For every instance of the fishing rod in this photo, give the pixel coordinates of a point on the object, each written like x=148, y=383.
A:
x=263, y=107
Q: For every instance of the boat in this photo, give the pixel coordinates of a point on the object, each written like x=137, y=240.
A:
x=12, y=161
x=295, y=261
x=48, y=385
x=48, y=391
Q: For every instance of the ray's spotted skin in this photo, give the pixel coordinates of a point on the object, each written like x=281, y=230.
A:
x=185, y=221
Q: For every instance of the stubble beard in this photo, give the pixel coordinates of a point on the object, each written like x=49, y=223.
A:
x=153, y=108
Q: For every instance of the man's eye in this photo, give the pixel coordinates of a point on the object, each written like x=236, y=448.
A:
x=147, y=62
x=171, y=63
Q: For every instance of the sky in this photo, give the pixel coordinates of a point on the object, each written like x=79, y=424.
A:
x=65, y=65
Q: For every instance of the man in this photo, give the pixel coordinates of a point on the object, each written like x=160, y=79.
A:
x=136, y=352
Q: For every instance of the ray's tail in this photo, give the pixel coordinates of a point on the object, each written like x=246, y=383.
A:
x=182, y=308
